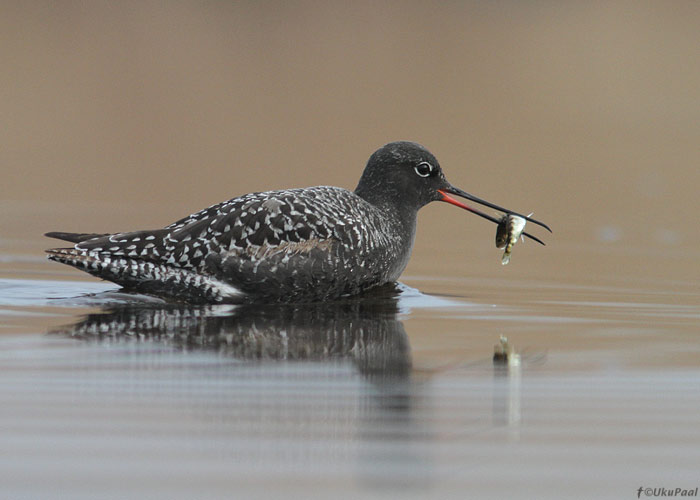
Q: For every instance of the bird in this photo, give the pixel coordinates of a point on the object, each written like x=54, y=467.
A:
x=296, y=245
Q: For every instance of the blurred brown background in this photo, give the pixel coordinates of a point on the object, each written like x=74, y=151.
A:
x=127, y=115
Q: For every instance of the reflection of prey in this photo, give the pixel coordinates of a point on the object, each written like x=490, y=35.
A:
x=507, y=398
x=365, y=330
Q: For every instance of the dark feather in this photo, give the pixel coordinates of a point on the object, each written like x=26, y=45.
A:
x=73, y=237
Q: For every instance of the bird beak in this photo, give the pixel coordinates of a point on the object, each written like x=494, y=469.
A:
x=445, y=192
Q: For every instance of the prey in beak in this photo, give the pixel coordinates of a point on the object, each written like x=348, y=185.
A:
x=447, y=191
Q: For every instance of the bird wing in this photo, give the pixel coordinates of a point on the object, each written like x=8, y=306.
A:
x=289, y=222
x=280, y=245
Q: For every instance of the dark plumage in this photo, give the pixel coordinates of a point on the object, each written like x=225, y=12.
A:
x=290, y=245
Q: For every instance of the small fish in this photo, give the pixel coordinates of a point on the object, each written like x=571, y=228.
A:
x=509, y=229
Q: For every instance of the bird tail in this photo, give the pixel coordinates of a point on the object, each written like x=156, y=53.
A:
x=149, y=277
x=114, y=269
x=73, y=237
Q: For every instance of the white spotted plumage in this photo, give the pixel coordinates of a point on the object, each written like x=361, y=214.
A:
x=292, y=245
x=262, y=246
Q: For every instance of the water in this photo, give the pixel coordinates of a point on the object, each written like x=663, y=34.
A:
x=122, y=396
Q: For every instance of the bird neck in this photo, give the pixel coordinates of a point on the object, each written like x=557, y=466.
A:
x=399, y=215
x=391, y=203
x=399, y=224
x=387, y=197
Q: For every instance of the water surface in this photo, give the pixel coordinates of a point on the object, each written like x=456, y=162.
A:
x=394, y=393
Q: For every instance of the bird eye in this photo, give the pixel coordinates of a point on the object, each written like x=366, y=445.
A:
x=423, y=169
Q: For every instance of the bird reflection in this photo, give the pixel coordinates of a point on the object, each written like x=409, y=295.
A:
x=364, y=330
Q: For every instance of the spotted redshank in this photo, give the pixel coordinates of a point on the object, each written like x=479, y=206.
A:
x=293, y=245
